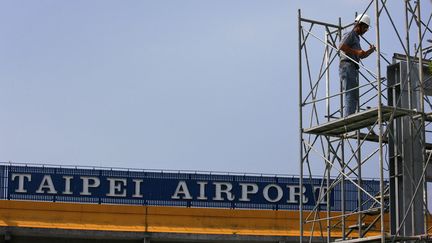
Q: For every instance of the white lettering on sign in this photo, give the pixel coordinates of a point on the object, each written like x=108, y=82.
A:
x=137, y=188
x=294, y=191
x=86, y=184
x=202, y=185
x=322, y=197
x=116, y=187
x=227, y=187
x=67, y=190
x=216, y=191
x=21, y=181
x=279, y=193
x=182, y=189
x=246, y=190
x=46, y=183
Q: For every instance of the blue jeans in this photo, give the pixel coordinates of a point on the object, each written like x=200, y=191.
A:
x=349, y=76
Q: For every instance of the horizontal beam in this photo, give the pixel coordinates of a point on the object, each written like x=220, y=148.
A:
x=319, y=22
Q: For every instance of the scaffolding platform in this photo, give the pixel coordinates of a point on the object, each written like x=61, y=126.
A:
x=357, y=121
x=387, y=238
x=427, y=116
x=376, y=238
x=371, y=137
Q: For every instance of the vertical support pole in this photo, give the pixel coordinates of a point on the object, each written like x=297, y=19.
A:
x=409, y=225
x=359, y=175
x=408, y=54
x=340, y=86
x=328, y=203
x=300, y=123
x=343, y=199
x=359, y=178
x=328, y=166
x=359, y=182
x=422, y=122
x=420, y=57
x=327, y=74
x=381, y=160
x=342, y=163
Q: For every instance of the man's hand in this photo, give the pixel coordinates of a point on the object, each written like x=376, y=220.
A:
x=360, y=53
x=372, y=48
x=363, y=54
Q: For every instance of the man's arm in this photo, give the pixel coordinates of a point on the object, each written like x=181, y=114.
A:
x=360, y=53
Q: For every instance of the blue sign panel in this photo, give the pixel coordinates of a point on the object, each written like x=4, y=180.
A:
x=169, y=189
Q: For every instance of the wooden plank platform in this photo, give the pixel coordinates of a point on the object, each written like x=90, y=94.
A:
x=371, y=137
x=356, y=121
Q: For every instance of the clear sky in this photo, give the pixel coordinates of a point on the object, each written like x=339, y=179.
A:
x=162, y=84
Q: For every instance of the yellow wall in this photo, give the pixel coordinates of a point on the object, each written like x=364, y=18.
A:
x=152, y=219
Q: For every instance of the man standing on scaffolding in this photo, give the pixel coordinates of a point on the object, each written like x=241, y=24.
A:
x=349, y=59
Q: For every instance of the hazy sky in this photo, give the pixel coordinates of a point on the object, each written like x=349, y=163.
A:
x=163, y=84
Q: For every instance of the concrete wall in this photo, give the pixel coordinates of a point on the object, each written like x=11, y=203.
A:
x=29, y=221
x=18, y=235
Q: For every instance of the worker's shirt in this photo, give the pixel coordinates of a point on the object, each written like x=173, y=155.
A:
x=351, y=39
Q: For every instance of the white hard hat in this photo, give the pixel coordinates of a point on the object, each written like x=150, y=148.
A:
x=363, y=18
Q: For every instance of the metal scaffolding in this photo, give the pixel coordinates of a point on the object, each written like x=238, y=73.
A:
x=388, y=136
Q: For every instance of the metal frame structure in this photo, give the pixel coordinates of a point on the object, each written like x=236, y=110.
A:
x=391, y=139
